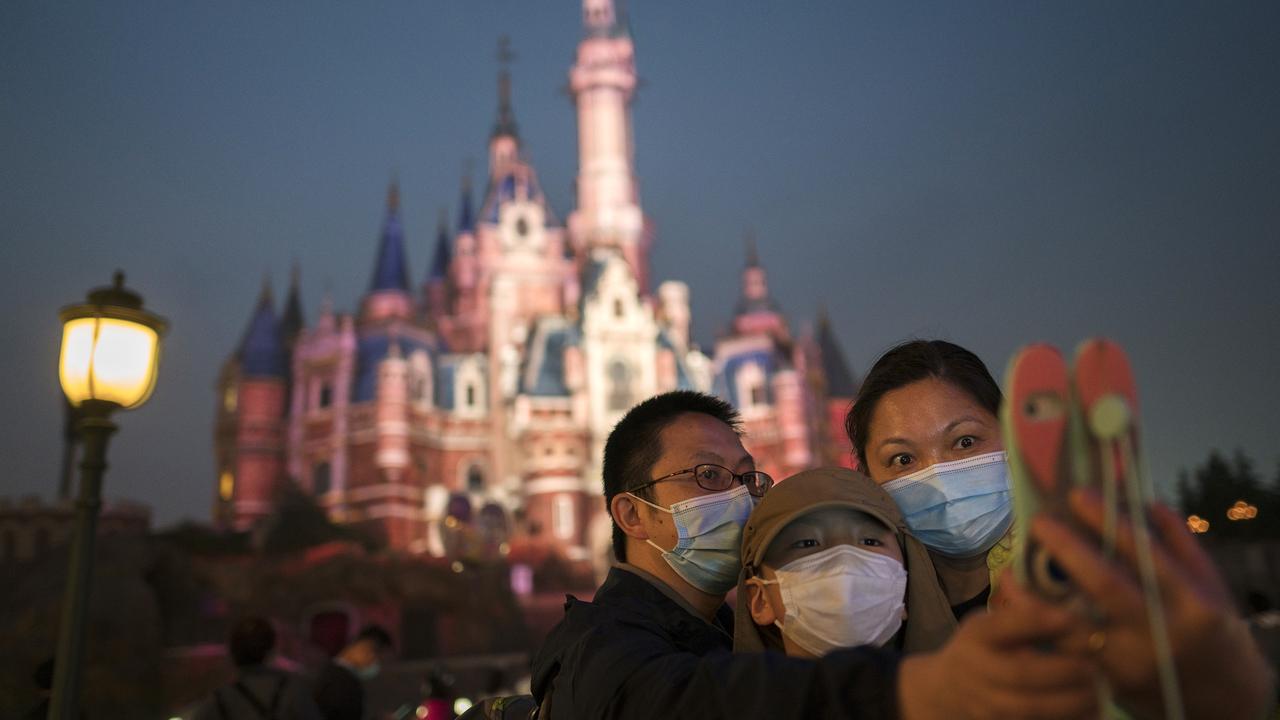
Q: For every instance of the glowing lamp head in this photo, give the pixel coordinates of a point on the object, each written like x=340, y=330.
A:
x=110, y=348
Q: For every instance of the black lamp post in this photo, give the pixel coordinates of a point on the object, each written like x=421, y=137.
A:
x=110, y=352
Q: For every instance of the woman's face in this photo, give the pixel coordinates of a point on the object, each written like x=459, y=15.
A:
x=924, y=423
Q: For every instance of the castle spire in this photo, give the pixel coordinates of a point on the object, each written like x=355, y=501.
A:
x=390, y=271
x=443, y=254
x=755, y=283
x=506, y=124
x=292, y=322
x=262, y=352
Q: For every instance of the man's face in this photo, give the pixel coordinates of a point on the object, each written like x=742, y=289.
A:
x=693, y=438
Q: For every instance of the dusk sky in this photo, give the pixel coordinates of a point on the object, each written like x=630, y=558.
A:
x=992, y=174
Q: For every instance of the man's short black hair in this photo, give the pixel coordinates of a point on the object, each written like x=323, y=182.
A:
x=377, y=634
x=636, y=443
x=252, y=639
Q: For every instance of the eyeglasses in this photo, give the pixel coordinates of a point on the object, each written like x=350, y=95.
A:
x=717, y=478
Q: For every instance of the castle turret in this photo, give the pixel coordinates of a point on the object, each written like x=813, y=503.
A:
x=602, y=82
x=388, y=297
x=392, y=411
x=504, y=141
x=260, y=415
x=756, y=312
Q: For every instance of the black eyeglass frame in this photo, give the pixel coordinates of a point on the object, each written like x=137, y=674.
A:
x=763, y=482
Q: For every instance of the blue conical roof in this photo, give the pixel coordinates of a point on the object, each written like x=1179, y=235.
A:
x=840, y=382
x=443, y=254
x=466, y=217
x=262, y=352
x=391, y=272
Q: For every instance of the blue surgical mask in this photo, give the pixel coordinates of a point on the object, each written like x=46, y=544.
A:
x=959, y=508
x=708, y=548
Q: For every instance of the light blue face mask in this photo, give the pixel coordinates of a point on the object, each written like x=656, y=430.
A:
x=708, y=550
x=959, y=508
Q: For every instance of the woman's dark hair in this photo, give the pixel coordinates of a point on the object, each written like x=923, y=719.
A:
x=910, y=362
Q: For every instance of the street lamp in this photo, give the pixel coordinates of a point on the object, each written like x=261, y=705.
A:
x=110, y=351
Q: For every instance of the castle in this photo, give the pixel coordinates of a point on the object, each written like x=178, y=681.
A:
x=481, y=397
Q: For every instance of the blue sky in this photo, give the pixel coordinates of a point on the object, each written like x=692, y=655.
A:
x=989, y=173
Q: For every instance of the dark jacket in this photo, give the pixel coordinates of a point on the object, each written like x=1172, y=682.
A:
x=339, y=693
x=635, y=653
x=258, y=693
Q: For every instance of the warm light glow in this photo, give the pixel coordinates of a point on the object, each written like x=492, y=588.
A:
x=456, y=566
x=421, y=711
x=108, y=359
x=1197, y=524
x=1242, y=511
x=461, y=705
x=226, y=485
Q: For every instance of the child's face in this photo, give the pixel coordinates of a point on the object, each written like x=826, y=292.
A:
x=810, y=534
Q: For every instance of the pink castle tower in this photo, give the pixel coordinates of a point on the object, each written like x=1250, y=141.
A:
x=602, y=83
x=262, y=389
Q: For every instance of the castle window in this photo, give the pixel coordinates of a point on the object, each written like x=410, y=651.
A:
x=475, y=479
x=321, y=478
x=562, y=524
x=471, y=395
x=618, y=309
x=619, y=385
x=229, y=398
x=752, y=388
x=226, y=485
x=326, y=395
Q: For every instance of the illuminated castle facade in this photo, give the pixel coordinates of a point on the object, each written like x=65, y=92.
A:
x=480, y=396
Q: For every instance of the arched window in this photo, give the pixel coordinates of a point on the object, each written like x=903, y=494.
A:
x=475, y=479
x=321, y=479
x=619, y=385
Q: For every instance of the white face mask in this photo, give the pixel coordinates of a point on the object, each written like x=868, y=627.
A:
x=841, y=597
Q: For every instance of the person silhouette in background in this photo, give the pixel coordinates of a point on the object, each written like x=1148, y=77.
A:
x=259, y=691
x=339, y=687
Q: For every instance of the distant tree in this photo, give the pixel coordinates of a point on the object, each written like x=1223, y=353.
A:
x=298, y=522
x=1214, y=487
